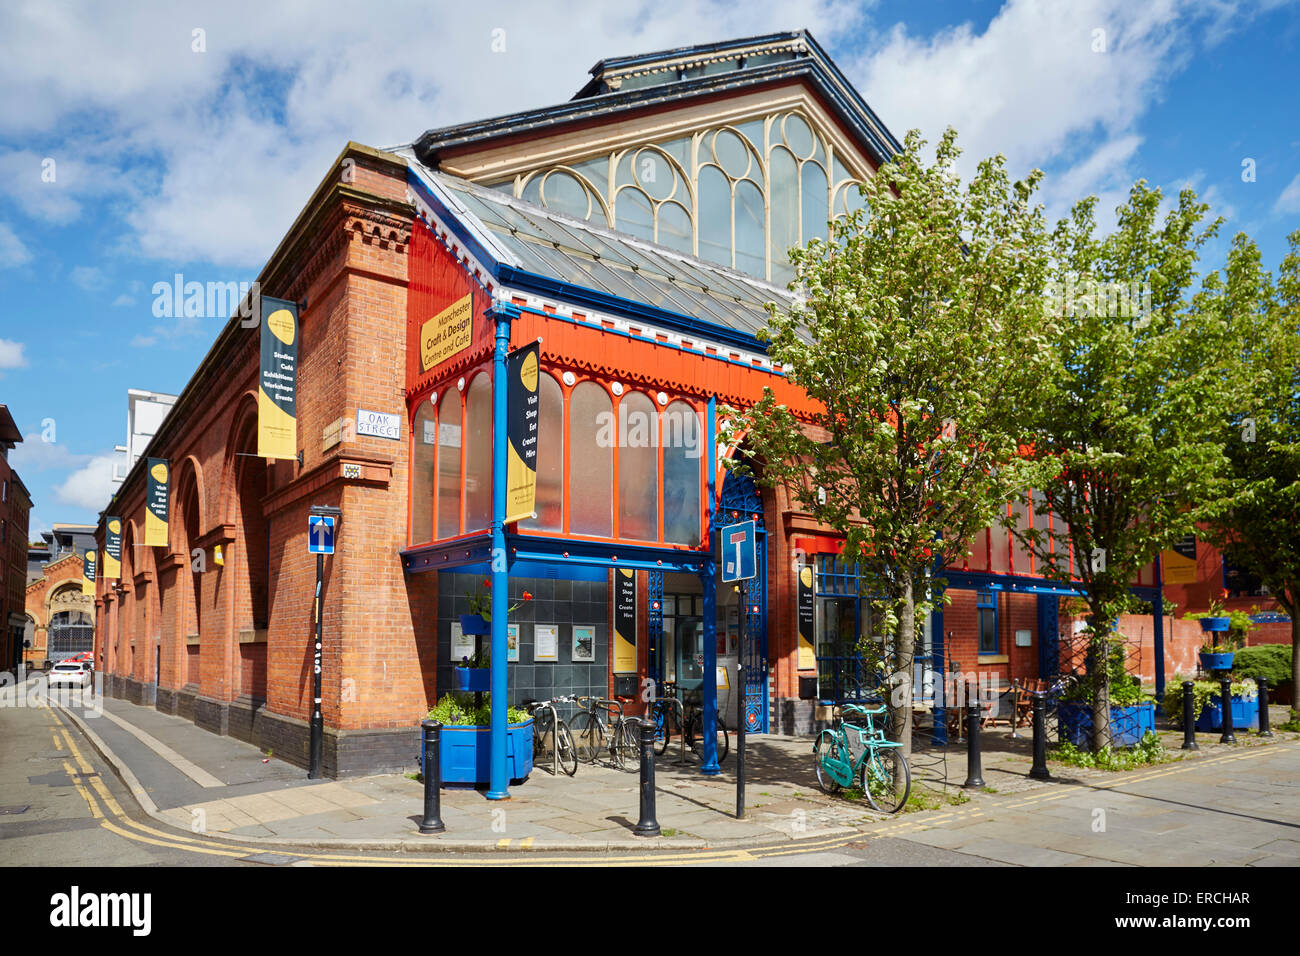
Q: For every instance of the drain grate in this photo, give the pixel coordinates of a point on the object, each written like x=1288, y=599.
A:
x=14, y=811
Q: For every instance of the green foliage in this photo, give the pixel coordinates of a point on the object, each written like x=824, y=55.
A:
x=1125, y=688
x=457, y=710
x=1270, y=661
x=1292, y=724
x=480, y=658
x=1148, y=750
x=919, y=337
x=1202, y=691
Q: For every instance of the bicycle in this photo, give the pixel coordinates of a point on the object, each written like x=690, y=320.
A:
x=670, y=713
x=880, y=769
x=592, y=738
x=552, y=735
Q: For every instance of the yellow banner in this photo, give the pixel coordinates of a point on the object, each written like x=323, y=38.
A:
x=807, y=621
x=624, y=621
x=112, y=564
x=1177, y=569
x=447, y=333
x=88, y=573
x=157, y=494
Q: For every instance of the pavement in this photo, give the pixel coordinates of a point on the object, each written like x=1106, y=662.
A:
x=191, y=780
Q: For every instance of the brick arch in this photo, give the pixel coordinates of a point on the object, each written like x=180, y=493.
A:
x=189, y=482
x=244, y=417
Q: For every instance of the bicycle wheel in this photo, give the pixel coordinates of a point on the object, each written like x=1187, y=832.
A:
x=827, y=747
x=695, y=739
x=886, y=779
x=568, y=752
x=588, y=736
x=627, y=746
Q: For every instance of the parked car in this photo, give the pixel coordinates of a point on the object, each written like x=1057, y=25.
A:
x=86, y=657
x=74, y=673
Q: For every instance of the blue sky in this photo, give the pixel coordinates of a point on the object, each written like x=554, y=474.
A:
x=192, y=152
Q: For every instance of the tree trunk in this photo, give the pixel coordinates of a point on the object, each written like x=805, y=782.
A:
x=901, y=695
x=1099, y=658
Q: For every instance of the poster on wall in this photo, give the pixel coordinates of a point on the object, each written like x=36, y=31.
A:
x=448, y=333
x=584, y=644
x=512, y=643
x=277, y=393
x=624, y=621
x=156, y=494
x=523, y=403
x=807, y=620
x=88, y=573
x=112, y=548
x=546, y=643
x=462, y=644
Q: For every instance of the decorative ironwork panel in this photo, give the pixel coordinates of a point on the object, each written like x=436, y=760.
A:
x=742, y=501
x=656, y=629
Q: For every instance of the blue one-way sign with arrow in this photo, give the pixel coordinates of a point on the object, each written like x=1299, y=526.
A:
x=320, y=534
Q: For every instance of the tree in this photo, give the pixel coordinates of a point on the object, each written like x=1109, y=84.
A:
x=1129, y=449
x=920, y=339
x=1260, y=530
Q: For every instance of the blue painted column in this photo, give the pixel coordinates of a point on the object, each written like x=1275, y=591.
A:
x=1158, y=636
x=708, y=578
x=498, y=786
x=939, y=735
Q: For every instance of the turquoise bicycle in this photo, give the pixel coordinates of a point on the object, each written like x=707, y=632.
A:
x=879, y=767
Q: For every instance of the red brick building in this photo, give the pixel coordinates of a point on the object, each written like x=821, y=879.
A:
x=635, y=234
x=15, y=507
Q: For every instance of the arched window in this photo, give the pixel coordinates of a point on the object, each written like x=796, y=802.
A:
x=638, y=468
x=592, y=435
x=449, y=442
x=550, y=458
x=682, y=450
x=478, y=453
x=424, y=462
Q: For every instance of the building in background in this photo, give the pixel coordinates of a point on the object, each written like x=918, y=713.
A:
x=15, y=509
x=145, y=412
x=60, y=619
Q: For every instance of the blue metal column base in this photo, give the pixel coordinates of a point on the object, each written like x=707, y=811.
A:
x=709, y=687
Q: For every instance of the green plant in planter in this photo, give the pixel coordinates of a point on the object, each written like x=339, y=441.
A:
x=1125, y=688
x=480, y=658
x=480, y=603
x=1202, y=691
x=1240, y=624
x=457, y=710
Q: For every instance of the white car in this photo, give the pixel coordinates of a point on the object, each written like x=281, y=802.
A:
x=74, y=673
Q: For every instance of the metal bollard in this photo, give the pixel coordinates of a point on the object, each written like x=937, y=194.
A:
x=740, y=741
x=1264, y=730
x=1039, y=770
x=1225, y=704
x=1189, y=716
x=974, y=768
x=647, y=825
x=432, y=822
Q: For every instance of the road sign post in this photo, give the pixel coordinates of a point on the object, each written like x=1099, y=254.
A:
x=739, y=546
x=320, y=541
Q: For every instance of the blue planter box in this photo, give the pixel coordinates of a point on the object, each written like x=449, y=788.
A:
x=466, y=753
x=1245, y=715
x=474, y=624
x=1216, y=623
x=1127, y=724
x=473, y=678
x=1217, y=662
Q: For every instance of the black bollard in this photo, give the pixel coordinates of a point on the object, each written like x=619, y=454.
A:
x=432, y=822
x=1039, y=770
x=1264, y=730
x=647, y=825
x=1189, y=716
x=740, y=741
x=1225, y=702
x=974, y=768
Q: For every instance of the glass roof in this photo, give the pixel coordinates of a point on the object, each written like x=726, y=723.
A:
x=570, y=250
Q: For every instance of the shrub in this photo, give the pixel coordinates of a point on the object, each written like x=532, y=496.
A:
x=1270, y=661
x=1147, y=751
x=1125, y=688
x=1202, y=691
x=458, y=710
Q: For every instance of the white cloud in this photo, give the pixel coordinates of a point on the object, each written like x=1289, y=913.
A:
x=1289, y=200
x=123, y=300
x=33, y=455
x=223, y=147
x=90, y=278
x=11, y=354
x=12, y=250
x=91, y=485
